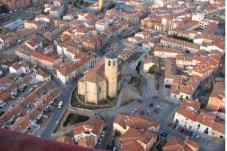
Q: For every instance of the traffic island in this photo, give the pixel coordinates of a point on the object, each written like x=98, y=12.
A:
x=77, y=101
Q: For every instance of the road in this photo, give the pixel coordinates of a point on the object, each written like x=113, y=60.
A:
x=46, y=131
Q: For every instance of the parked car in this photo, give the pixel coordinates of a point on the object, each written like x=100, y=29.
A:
x=181, y=130
x=193, y=135
x=139, y=100
x=163, y=133
x=142, y=113
x=206, y=141
x=185, y=132
x=170, y=124
x=134, y=110
x=114, y=149
x=174, y=126
x=60, y=104
x=154, y=97
x=177, y=128
x=156, y=111
x=151, y=104
x=197, y=136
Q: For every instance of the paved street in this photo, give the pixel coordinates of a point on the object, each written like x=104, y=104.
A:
x=47, y=130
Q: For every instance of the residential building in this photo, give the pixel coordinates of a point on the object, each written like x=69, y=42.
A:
x=20, y=68
x=49, y=61
x=175, y=143
x=216, y=100
x=22, y=124
x=8, y=39
x=65, y=139
x=123, y=122
x=149, y=62
x=136, y=140
x=101, y=25
x=88, y=133
x=197, y=16
x=174, y=43
x=138, y=133
x=184, y=87
x=127, y=53
x=143, y=35
x=67, y=71
x=41, y=75
x=188, y=115
x=207, y=67
x=170, y=72
x=166, y=52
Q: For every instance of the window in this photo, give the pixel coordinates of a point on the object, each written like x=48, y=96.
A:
x=113, y=63
x=109, y=63
x=100, y=89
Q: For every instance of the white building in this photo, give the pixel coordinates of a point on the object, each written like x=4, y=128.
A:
x=198, y=16
x=187, y=116
x=68, y=71
x=41, y=75
x=101, y=25
x=19, y=68
x=68, y=17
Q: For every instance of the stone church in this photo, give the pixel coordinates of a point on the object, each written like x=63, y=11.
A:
x=102, y=81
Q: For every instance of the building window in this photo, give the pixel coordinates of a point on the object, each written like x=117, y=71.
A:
x=100, y=89
x=113, y=63
x=109, y=63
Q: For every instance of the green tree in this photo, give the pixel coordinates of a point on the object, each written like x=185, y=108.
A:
x=102, y=9
x=153, y=69
x=112, y=5
x=139, y=30
x=154, y=149
x=138, y=67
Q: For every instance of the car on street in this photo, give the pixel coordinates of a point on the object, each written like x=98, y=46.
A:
x=156, y=110
x=206, y=141
x=60, y=104
x=181, y=130
x=185, y=132
x=151, y=104
x=134, y=110
x=193, y=135
x=177, y=128
x=197, y=136
x=142, y=113
x=170, y=124
x=139, y=100
x=105, y=128
x=154, y=97
x=114, y=149
x=164, y=134
x=174, y=126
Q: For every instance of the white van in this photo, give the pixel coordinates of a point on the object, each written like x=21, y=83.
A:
x=60, y=104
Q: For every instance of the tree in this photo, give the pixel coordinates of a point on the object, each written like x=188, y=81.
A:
x=154, y=149
x=112, y=5
x=153, y=69
x=139, y=30
x=102, y=9
x=138, y=67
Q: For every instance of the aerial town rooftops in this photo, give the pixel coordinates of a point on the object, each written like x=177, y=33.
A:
x=67, y=68
x=65, y=139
